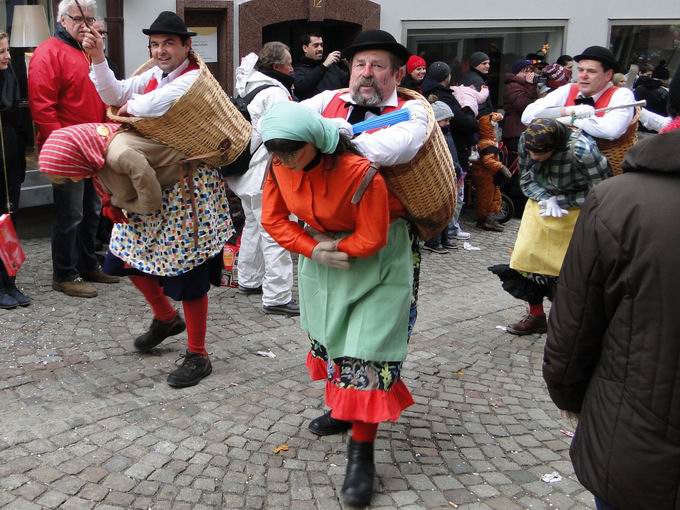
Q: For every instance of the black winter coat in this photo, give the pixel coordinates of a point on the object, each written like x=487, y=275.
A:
x=311, y=78
x=477, y=80
x=613, y=347
x=654, y=93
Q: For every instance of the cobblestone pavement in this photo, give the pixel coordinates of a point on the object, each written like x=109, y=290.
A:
x=86, y=422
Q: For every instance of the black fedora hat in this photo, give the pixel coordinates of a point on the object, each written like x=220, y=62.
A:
x=168, y=23
x=600, y=54
x=376, y=40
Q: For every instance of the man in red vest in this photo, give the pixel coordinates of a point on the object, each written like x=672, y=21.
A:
x=174, y=251
x=593, y=90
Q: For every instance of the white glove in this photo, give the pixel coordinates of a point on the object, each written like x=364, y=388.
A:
x=550, y=207
x=579, y=111
x=327, y=253
x=318, y=236
x=344, y=127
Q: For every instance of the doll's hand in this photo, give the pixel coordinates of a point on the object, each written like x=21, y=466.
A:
x=327, y=253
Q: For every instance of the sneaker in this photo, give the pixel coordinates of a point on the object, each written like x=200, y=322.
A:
x=76, y=288
x=490, y=224
x=462, y=236
x=194, y=367
x=449, y=245
x=250, y=290
x=99, y=276
x=438, y=248
x=474, y=154
x=159, y=331
x=291, y=309
x=528, y=325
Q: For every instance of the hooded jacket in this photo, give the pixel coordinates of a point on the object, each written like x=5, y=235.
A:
x=248, y=78
x=517, y=95
x=613, y=349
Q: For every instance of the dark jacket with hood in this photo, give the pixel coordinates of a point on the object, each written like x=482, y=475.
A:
x=312, y=77
x=463, y=123
x=613, y=347
x=653, y=92
x=518, y=94
x=477, y=79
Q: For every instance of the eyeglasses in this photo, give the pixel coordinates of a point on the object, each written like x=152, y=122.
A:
x=80, y=19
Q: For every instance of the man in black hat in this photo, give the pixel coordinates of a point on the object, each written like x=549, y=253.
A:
x=160, y=252
x=376, y=68
x=595, y=67
x=151, y=93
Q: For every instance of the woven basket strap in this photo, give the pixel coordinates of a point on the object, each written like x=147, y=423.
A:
x=373, y=169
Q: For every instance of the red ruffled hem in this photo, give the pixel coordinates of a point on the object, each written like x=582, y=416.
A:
x=369, y=406
x=316, y=367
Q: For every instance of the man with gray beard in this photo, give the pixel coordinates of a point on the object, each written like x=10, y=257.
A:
x=376, y=68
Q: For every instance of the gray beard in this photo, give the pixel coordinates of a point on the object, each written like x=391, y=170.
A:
x=374, y=100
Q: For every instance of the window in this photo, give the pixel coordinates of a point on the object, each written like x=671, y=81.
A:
x=503, y=44
x=637, y=41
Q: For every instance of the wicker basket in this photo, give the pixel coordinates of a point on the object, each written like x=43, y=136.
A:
x=201, y=121
x=615, y=150
x=426, y=185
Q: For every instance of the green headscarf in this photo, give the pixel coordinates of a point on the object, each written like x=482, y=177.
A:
x=292, y=121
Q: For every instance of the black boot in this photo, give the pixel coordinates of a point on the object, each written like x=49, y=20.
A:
x=7, y=302
x=159, y=331
x=357, y=490
x=324, y=425
x=21, y=298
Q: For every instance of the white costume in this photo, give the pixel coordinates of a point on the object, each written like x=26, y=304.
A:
x=610, y=126
x=261, y=261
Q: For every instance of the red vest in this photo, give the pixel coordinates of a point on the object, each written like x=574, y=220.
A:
x=602, y=102
x=338, y=108
x=153, y=83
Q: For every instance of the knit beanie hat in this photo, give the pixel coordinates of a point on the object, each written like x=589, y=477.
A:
x=674, y=95
x=438, y=71
x=414, y=62
x=556, y=76
x=477, y=58
x=441, y=110
x=519, y=65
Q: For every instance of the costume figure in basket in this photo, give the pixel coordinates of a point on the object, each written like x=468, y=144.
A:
x=615, y=131
x=175, y=250
x=363, y=385
x=559, y=167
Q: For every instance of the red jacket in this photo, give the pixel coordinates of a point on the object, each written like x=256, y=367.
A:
x=518, y=94
x=60, y=92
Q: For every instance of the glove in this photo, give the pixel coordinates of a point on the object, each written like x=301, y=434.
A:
x=327, y=253
x=502, y=176
x=550, y=207
x=319, y=237
x=344, y=127
x=115, y=214
x=579, y=111
x=506, y=172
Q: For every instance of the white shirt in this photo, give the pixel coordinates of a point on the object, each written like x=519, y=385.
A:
x=386, y=147
x=610, y=126
x=116, y=92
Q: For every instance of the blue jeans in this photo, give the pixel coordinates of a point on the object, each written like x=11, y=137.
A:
x=601, y=505
x=77, y=208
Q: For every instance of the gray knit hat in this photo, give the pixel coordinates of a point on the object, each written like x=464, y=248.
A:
x=477, y=58
x=441, y=110
x=438, y=71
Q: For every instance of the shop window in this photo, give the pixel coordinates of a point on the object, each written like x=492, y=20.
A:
x=636, y=43
x=504, y=45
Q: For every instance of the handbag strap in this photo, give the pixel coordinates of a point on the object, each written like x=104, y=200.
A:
x=4, y=166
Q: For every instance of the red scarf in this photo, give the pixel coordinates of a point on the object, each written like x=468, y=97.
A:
x=674, y=124
x=153, y=83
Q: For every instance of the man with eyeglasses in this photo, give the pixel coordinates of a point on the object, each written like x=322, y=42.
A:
x=60, y=94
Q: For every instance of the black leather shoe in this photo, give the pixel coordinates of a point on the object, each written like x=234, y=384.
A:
x=250, y=290
x=357, y=490
x=194, y=367
x=7, y=302
x=324, y=425
x=159, y=331
x=21, y=298
x=291, y=309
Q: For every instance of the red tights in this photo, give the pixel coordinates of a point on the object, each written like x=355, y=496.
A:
x=364, y=432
